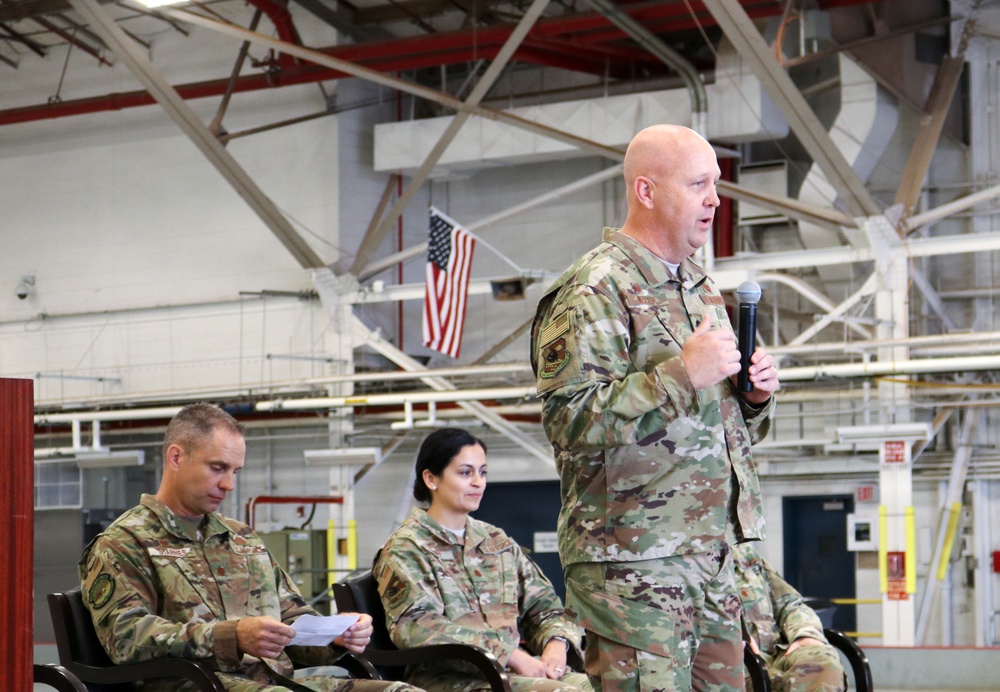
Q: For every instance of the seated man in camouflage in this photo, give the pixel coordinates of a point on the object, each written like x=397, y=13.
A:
x=174, y=578
x=783, y=630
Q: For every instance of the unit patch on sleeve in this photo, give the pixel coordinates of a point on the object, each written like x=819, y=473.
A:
x=101, y=590
x=554, y=358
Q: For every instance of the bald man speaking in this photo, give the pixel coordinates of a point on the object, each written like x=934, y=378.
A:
x=636, y=361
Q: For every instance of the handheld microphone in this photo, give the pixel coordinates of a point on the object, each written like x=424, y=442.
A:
x=748, y=293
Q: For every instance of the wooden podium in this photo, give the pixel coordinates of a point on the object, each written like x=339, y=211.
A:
x=17, y=457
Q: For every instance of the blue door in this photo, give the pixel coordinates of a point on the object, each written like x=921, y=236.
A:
x=817, y=561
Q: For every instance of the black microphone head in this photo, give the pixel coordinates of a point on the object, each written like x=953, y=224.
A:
x=748, y=292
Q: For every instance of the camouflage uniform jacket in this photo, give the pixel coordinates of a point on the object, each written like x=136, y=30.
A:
x=774, y=613
x=156, y=589
x=649, y=466
x=481, y=589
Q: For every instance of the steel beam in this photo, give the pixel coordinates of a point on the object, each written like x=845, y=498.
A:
x=354, y=70
x=371, y=242
x=181, y=113
x=931, y=124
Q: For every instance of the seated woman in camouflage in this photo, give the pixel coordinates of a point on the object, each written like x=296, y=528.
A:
x=445, y=577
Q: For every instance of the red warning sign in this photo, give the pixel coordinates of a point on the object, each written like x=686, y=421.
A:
x=896, y=573
x=895, y=451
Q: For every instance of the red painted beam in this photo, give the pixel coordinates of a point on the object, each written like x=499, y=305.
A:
x=17, y=540
x=583, y=42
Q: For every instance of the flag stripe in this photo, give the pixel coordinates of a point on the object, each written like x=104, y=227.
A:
x=449, y=266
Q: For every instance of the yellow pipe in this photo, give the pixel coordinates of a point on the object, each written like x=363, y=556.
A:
x=857, y=601
x=911, y=552
x=331, y=549
x=883, y=558
x=352, y=544
x=873, y=635
x=949, y=540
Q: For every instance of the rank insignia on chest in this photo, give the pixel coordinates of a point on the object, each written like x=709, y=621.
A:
x=554, y=358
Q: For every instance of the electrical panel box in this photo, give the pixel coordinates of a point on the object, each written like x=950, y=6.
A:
x=301, y=553
x=862, y=532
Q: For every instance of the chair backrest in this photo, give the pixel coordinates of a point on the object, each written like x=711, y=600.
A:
x=81, y=653
x=76, y=639
x=360, y=595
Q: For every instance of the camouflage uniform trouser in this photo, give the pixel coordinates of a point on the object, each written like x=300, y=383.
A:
x=807, y=669
x=462, y=682
x=667, y=624
x=320, y=683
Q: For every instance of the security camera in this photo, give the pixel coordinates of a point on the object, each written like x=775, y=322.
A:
x=25, y=287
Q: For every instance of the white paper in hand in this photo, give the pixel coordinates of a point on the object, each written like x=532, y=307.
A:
x=320, y=630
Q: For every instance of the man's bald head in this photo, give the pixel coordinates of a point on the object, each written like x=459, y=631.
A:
x=670, y=178
x=658, y=149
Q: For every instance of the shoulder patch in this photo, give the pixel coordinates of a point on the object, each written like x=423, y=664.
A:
x=101, y=590
x=555, y=329
x=394, y=590
x=554, y=357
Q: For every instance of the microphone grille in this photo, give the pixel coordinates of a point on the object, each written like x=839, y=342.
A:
x=748, y=292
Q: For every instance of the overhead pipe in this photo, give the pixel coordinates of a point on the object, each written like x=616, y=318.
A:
x=648, y=40
x=283, y=25
x=916, y=366
x=251, y=506
x=792, y=374
x=423, y=397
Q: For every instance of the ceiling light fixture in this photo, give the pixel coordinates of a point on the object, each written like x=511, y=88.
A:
x=161, y=3
x=351, y=456
x=872, y=436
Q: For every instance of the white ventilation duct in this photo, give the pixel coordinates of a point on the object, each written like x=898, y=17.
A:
x=739, y=111
x=862, y=130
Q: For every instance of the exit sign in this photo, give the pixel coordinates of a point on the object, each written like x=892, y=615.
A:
x=865, y=493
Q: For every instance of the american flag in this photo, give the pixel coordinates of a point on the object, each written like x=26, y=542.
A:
x=449, y=261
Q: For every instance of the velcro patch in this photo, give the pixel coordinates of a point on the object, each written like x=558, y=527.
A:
x=554, y=357
x=712, y=299
x=498, y=545
x=169, y=552
x=556, y=328
x=249, y=549
x=101, y=590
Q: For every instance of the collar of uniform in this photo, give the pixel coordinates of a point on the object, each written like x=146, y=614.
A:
x=474, y=533
x=652, y=268
x=182, y=529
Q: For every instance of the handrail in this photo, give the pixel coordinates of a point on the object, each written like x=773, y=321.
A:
x=251, y=506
